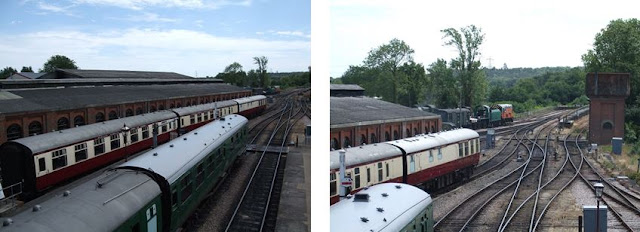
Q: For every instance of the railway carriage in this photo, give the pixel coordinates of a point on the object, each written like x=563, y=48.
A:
x=156, y=191
x=251, y=106
x=432, y=160
x=384, y=207
x=41, y=161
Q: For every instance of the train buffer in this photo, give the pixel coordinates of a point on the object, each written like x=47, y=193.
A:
x=268, y=149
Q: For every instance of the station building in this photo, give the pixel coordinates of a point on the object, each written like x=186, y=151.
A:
x=358, y=120
x=71, y=98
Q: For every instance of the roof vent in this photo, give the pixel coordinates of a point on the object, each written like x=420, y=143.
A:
x=155, y=154
x=385, y=194
x=36, y=208
x=195, y=133
x=398, y=186
x=349, y=196
x=185, y=138
x=379, y=209
x=361, y=197
x=7, y=222
x=364, y=219
x=229, y=123
x=171, y=145
x=222, y=126
x=222, y=119
x=66, y=193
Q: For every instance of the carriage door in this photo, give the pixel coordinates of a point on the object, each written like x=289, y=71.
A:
x=152, y=219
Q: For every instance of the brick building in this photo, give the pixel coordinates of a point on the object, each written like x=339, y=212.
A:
x=360, y=120
x=30, y=107
x=607, y=93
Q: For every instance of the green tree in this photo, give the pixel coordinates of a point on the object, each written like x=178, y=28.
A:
x=617, y=49
x=233, y=74
x=58, y=61
x=262, y=70
x=444, y=84
x=414, y=83
x=388, y=58
x=26, y=69
x=467, y=65
x=7, y=72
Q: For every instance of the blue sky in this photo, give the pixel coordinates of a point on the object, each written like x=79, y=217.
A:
x=184, y=36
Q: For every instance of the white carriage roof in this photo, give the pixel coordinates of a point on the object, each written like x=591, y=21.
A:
x=250, y=99
x=89, y=208
x=173, y=158
x=428, y=141
x=505, y=105
x=372, y=152
x=400, y=206
x=52, y=140
x=363, y=154
x=204, y=107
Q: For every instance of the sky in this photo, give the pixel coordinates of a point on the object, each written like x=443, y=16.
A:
x=517, y=33
x=191, y=37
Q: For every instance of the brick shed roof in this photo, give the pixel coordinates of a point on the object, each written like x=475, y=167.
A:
x=351, y=111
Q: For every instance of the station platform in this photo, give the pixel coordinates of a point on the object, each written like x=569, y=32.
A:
x=294, y=212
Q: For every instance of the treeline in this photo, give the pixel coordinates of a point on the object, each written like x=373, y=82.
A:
x=259, y=77
x=509, y=76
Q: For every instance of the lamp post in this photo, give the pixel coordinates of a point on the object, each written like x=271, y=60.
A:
x=599, y=189
x=125, y=129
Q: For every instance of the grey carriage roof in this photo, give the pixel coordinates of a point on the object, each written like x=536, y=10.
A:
x=250, y=99
x=85, y=208
x=203, y=107
x=352, y=111
x=363, y=154
x=179, y=155
x=400, y=207
x=52, y=140
x=372, y=152
x=345, y=87
x=51, y=99
x=456, y=110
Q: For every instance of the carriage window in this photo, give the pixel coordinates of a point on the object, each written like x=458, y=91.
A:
x=134, y=135
x=439, y=153
x=174, y=199
x=387, y=165
x=81, y=152
x=145, y=132
x=59, y=158
x=200, y=175
x=98, y=146
x=199, y=117
x=412, y=164
x=332, y=184
x=379, y=172
x=460, y=149
x=186, y=188
x=164, y=127
x=115, y=141
x=430, y=156
x=41, y=164
x=193, y=119
x=368, y=175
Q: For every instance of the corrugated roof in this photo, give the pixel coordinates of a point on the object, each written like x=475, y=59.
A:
x=364, y=110
x=345, y=87
x=33, y=100
x=87, y=73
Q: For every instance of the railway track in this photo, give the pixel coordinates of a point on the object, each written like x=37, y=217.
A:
x=258, y=205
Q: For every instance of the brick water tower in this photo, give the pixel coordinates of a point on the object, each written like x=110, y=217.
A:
x=607, y=92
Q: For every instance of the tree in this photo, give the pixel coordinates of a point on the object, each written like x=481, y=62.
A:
x=7, y=72
x=26, y=69
x=467, y=65
x=58, y=61
x=444, y=84
x=388, y=58
x=413, y=82
x=233, y=68
x=263, y=76
x=233, y=74
x=617, y=49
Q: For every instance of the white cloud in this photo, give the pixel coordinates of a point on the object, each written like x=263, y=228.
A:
x=199, y=23
x=182, y=51
x=192, y=4
x=149, y=17
x=293, y=33
x=14, y=22
x=55, y=9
